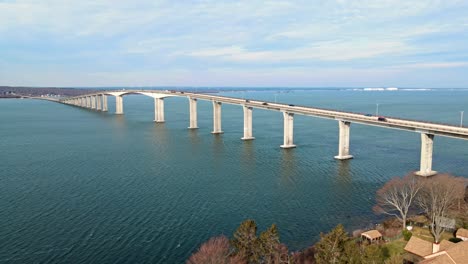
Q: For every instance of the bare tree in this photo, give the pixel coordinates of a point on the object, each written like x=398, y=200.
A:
x=215, y=251
x=436, y=197
x=396, y=196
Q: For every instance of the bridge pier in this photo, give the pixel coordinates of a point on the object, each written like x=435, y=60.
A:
x=193, y=113
x=288, y=137
x=247, y=123
x=93, y=102
x=88, y=101
x=425, y=169
x=99, y=102
x=217, y=118
x=119, y=105
x=104, y=103
x=343, y=146
x=159, y=110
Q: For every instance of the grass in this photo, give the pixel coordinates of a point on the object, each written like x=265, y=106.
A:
x=396, y=247
x=425, y=233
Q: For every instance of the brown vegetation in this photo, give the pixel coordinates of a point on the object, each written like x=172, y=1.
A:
x=396, y=197
x=215, y=251
x=437, y=196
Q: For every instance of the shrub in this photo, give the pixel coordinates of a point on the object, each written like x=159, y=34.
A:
x=407, y=234
x=455, y=239
x=215, y=250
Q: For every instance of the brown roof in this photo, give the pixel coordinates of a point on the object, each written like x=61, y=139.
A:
x=441, y=259
x=462, y=232
x=456, y=254
x=372, y=234
x=419, y=246
x=444, y=244
x=459, y=252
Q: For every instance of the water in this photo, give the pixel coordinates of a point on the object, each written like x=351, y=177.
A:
x=78, y=186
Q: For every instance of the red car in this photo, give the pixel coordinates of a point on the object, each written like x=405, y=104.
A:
x=381, y=118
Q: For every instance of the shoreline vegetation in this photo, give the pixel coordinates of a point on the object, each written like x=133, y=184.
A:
x=416, y=206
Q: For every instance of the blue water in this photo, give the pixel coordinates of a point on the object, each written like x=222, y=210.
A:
x=78, y=186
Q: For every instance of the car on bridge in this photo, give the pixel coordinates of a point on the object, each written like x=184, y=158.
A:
x=381, y=118
x=368, y=114
x=265, y=103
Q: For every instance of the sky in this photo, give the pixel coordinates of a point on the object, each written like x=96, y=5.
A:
x=333, y=43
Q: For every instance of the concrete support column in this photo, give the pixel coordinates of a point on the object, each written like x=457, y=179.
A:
x=343, y=145
x=247, y=123
x=427, y=141
x=216, y=118
x=88, y=102
x=193, y=113
x=119, y=105
x=83, y=102
x=288, y=141
x=99, y=102
x=104, y=103
x=93, y=102
x=159, y=110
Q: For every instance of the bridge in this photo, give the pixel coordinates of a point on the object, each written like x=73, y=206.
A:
x=98, y=102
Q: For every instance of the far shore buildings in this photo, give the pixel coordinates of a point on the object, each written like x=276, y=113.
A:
x=446, y=252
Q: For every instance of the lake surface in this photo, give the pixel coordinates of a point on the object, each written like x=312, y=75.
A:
x=79, y=186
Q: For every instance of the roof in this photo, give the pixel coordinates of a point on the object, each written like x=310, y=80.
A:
x=419, y=246
x=441, y=259
x=457, y=253
x=444, y=244
x=462, y=232
x=372, y=234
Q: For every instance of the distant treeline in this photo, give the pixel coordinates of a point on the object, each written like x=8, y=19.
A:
x=16, y=91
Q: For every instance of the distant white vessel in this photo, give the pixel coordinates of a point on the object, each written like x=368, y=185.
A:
x=374, y=89
x=381, y=89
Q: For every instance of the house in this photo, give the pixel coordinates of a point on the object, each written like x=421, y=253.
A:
x=462, y=233
x=446, y=252
x=372, y=236
x=447, y=223
x=455, y=254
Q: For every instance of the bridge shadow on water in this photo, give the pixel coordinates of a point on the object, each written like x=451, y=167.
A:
x=288, y=169
x=248, y=160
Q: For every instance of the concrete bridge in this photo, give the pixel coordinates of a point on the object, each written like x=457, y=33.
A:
x=98, y=102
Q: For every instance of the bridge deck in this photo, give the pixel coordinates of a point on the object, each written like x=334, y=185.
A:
x=391, y=122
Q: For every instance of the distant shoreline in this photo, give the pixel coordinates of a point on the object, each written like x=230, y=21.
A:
x=24, y=91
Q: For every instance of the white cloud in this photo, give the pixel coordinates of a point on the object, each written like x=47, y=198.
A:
x=323, y=51
x=429, y=65
x=133, y=36
x=215, y=52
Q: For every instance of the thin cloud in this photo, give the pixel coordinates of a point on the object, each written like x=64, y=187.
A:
x=430, y=65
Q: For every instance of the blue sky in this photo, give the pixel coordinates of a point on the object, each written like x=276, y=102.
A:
x=311, y=43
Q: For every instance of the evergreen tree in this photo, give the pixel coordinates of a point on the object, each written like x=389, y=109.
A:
x=372, y=255
x=269, y=244
x=352, y=253
x=246, y=243
x=330, y=249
